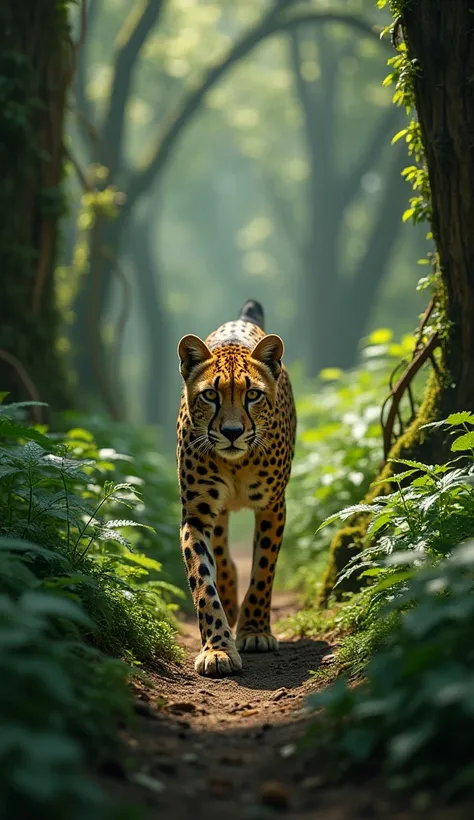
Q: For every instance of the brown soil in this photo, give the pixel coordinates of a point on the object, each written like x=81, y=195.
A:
x=234, y=748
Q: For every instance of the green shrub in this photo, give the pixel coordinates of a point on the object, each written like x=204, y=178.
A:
x=132, y=454
x=338, y=452
x=58, y=699
x=416, y=706
x=58, y=495
x=75, y=581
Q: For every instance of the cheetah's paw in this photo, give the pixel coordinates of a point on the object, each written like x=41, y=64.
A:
x=218, y=663
x=257, y=642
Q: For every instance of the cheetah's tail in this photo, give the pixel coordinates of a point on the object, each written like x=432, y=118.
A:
x=253, y=312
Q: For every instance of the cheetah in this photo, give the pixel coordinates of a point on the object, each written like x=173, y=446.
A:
x=236, y=434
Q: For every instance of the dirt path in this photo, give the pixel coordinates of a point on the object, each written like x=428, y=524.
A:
x=207, y=749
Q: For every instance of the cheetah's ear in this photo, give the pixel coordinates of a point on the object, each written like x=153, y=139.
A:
x=269, y=351
x=191, y=352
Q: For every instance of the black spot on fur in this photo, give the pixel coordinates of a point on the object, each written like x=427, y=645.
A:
x=194, y=521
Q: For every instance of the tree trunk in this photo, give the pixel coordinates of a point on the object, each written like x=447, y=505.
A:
x=440, y=36
x=440, y=42
x=156, y=330
x=91, y=354
x=35, y=68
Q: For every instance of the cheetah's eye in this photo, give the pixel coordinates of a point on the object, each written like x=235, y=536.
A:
x=253, y=394
x=209, y=395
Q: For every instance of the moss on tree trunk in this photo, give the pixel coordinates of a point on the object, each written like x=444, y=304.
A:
x=440, y=40
x=35, y=66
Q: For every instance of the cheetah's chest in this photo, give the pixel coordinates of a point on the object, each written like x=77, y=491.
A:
x=247, y=488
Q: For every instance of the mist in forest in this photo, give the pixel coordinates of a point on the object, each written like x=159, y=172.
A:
x=223, y=151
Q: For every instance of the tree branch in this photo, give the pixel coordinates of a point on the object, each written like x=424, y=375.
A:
x=124, y=67
x=274, y=22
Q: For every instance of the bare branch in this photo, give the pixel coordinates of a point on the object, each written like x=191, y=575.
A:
x=274, y=22
x=403, y=384
x=124, y=67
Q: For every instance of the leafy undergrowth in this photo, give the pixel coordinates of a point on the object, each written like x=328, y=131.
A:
x=76, y=581
x=338, y=452
x=132, y=453
x=413, y=636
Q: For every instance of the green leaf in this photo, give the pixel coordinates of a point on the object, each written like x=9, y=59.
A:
x=399, y=135
x=417, y=465
x=464, y=442
x=460, y=418
x=44, y=604
x=125, y=522
x=20, y=405
x=10, y=430
x=393, y=579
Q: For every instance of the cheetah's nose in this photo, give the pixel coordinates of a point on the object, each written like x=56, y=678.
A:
x=232, y=433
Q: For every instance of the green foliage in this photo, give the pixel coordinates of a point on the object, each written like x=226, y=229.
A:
x=134, y=455
x=338, y=452
x=74, y=581
x=415, y=707
x=56, y=694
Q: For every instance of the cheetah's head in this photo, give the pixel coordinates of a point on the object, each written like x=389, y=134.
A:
x=231, y=394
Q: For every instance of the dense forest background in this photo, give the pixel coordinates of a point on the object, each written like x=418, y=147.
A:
x=279, y=184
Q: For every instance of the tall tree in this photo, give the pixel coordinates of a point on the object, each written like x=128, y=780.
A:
x=434, y=72
x=36, y=62
x=337, y=303
x=135, y=182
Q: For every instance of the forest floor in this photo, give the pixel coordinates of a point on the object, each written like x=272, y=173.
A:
x=232, y=748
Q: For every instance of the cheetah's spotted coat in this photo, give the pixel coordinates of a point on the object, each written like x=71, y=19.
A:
x=236, y=432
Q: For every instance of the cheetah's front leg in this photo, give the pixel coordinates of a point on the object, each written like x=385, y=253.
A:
x=218, y=656
x=253, y=629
